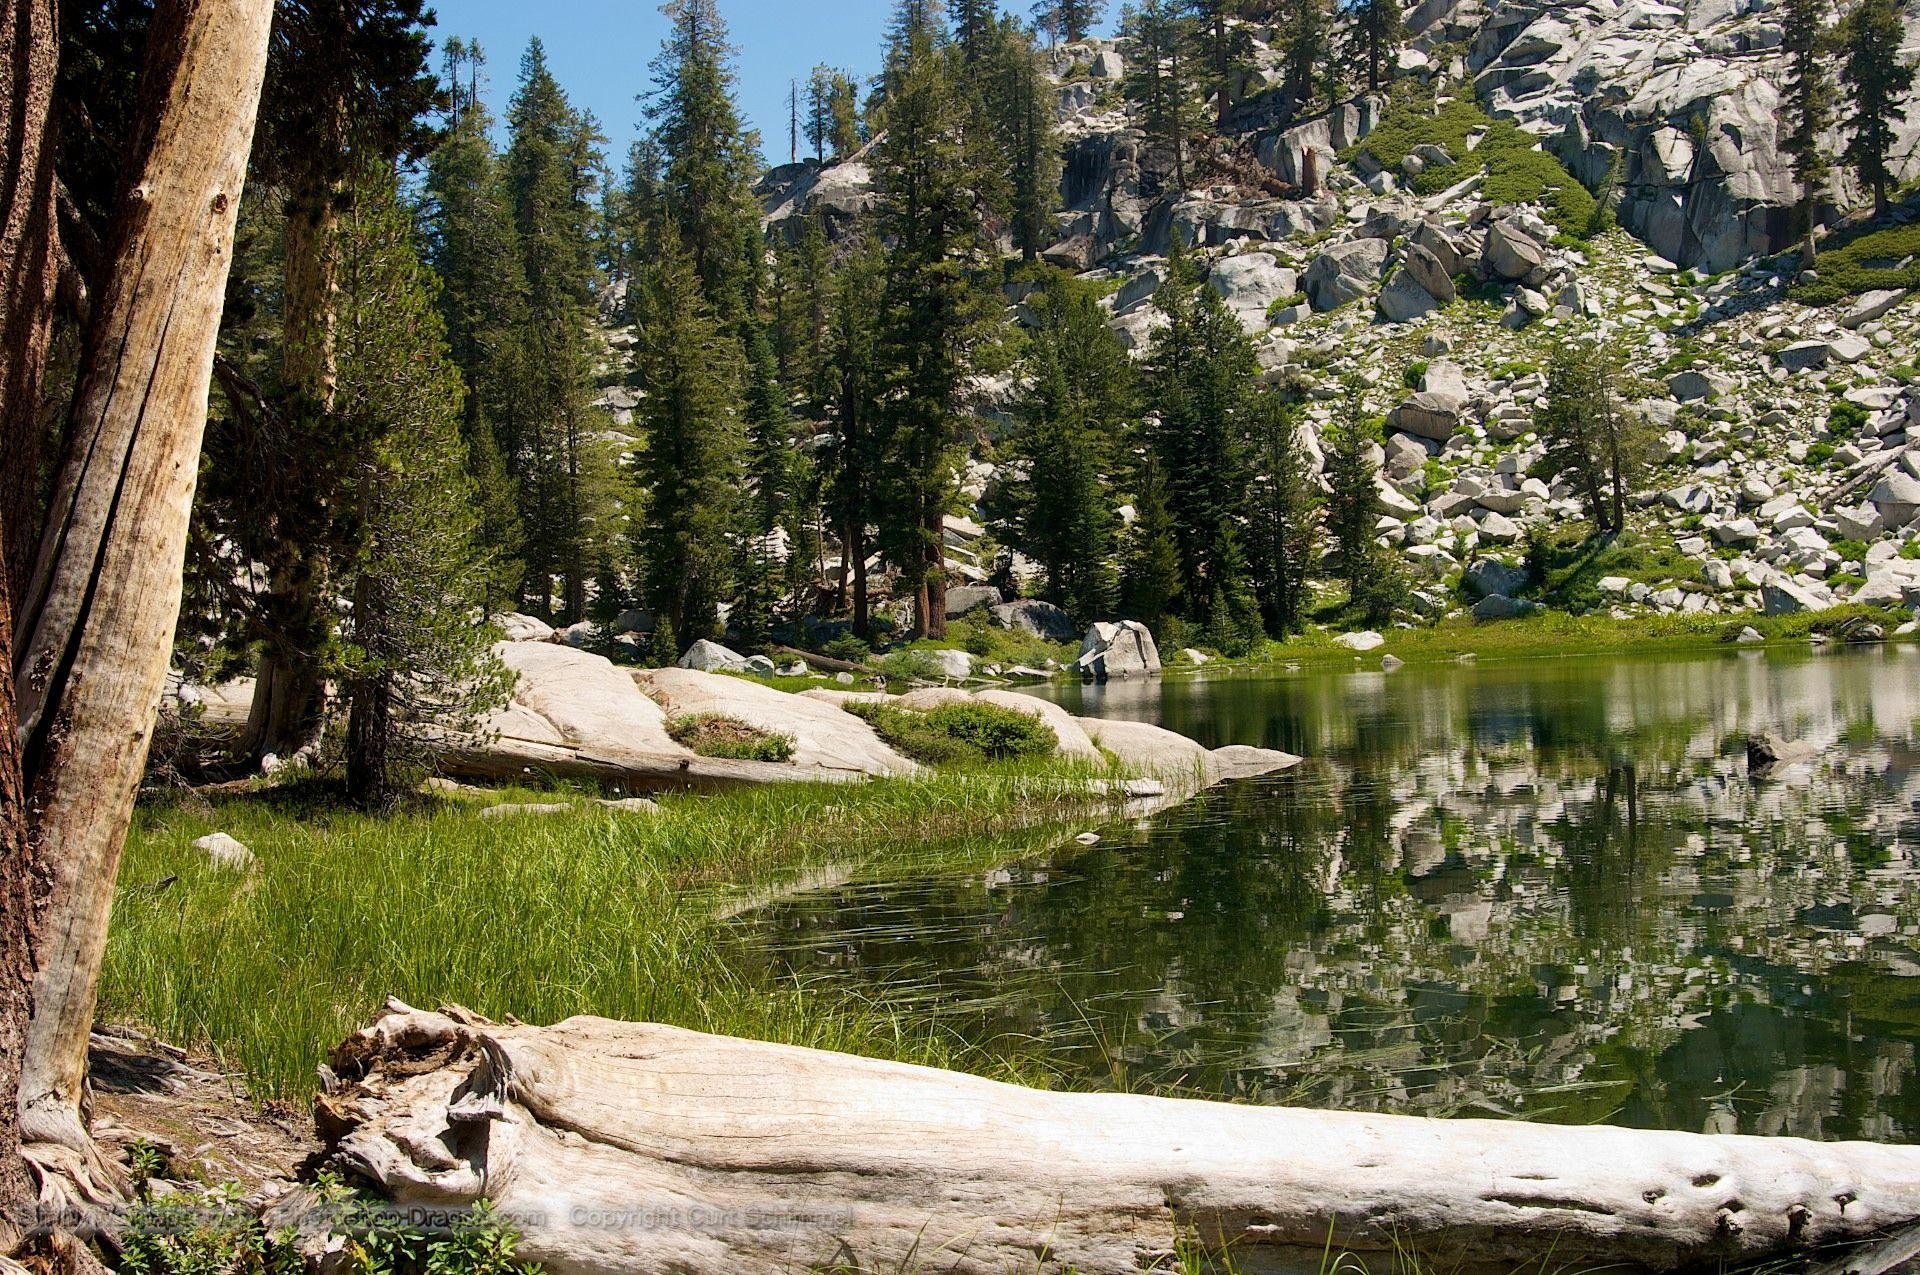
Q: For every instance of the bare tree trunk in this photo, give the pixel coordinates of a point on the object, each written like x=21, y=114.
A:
x=97, y=625
x=862, y=604
x=29, y=266
x=632, y=1148
x=29, y=54
x=936, y=585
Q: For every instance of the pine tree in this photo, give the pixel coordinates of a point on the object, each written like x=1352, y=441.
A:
x=975, y=24
x=1307, y=39
x=856, y=390
x=1877, y=82
x=1150, y=585
x=1054, y=501
x=689, y=466
x=1159, y=81
x=1379, y=29
x=1225, y=49
x=820, y=84
x=1282, y=524
x=415, y=662
x=1376, y=587
x=843, y=105
x=471, y=245
x=552, y=173
x=628, y=219
x=347, y=91
x=1199, y=372
x=1071, y=20
x=929, y=169
x=1810, y=108
x=801, y=303
x=1016, y=100
x=1594, y=439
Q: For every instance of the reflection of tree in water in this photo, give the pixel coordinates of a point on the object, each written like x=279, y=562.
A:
x=1484, y=894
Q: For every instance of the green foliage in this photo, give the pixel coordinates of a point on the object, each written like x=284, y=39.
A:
x=1282, y=524
x=689, y=470
x=911, y=665
x=1866, y=262
x=959, y=732
x=848, y=647
x=1160, y=83
x=717, y=735
x=1517, y=170
x=1052, y=499
x=1594, y=437
x=208, y=1234
x=415, y=664
x=1376, y=583
x=1809, y=98
x=1847, y=419
x=1877, y=82
x=1849, y=550
x=1568, y=566
x=1150, y=584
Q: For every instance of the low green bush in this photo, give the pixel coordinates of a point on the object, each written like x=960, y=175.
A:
x=1847, y=419
x=959, y=732
x=729, y=738
x=1871, y=259
x=1849, y=550
x=852, y=649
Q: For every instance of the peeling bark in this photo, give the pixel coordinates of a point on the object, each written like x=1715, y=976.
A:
x=96, y=625
x=623, y=1149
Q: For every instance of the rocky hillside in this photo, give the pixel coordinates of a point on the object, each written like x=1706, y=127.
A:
x=1435, y=247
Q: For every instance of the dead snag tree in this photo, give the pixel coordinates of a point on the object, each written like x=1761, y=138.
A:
x=95, y=625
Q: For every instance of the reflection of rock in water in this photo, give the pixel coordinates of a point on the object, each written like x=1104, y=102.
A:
x=1547, y=890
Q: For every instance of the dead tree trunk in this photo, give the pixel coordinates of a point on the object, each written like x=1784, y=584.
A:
x=624, y=1148
x=29, y=54
x=97, y=624
x=29, y=264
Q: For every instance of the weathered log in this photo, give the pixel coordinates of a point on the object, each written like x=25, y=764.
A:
x=622, y=1149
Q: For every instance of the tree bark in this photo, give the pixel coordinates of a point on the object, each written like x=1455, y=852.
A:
x=619, y=1148
x=96, y=627
x=29, y=266
x=29, y=54
x=289, y=702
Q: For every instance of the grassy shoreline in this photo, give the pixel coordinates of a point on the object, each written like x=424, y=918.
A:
x=536, y=916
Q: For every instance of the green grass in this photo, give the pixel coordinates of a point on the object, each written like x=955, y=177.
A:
x=1867, y=261
x=959, y=733
x=981, y=639
x=1570, y=568
x=1518, y=171
x=717, y=735
x=593, y=911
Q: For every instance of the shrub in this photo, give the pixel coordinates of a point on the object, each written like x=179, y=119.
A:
x=1820, y=453
x=1888, y=258
x=852, y=649
x=911, y=666
x=1849, y=550
x=959, y=732
x=1847, y=419
x=1415, y=370
x=729, y=738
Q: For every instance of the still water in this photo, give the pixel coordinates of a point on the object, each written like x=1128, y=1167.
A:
x=1543, y=888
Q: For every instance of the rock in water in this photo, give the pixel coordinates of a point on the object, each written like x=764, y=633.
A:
x=1125, y=649
x=1767, y=751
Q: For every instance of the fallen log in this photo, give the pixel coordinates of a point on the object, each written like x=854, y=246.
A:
x=625, y=1149
x=508, y=760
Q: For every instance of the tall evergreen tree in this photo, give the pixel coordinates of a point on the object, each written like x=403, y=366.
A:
x=1877, y=82
x=552, y=174
x=1150, y=586
x=709, y=158
x=1282, y=523
x=1376, y=587
x=347, y=91
x=1016, y=100
x=975, y=25
x=1225, y=49
x=928, y=169
x=820, y=111
x=415, y=664
x=689, y=468
x=1379, y=29
x=1810, y=108
x=1054, y=501
x=472, y=247
x=855, y=391
x=1069, y=20
x=1307, y=41
x=1198, y=375
x=1159, y=78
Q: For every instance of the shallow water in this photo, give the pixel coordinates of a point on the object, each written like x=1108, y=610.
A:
x=1542, y=888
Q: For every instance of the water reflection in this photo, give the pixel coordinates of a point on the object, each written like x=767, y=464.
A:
x=1544, y=889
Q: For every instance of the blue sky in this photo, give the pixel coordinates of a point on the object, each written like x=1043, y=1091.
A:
x=600, y=51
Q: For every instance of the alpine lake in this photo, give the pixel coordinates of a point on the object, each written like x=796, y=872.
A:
x=1545, y=889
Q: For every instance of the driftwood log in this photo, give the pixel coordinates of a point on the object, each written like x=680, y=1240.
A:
x=623, y=1149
